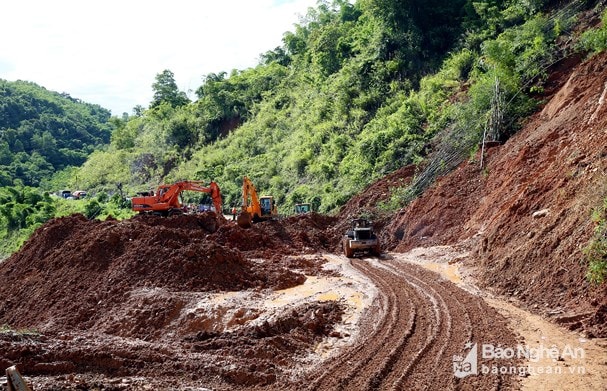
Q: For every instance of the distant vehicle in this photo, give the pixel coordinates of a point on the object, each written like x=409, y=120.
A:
x=78, y=194
x=65, y=193
x=360, y=238
x=303, y=208
x=206, y=208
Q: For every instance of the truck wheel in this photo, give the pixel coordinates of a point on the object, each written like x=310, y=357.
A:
x=376, y=251
x=347, y=249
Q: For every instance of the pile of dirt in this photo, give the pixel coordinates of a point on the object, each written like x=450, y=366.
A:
x=255, y=355
x=138, y=298
x=527, y=213
x=440, y=214
x=376, y=193
x=270, y=240
x=367, y=204
x=87, y=269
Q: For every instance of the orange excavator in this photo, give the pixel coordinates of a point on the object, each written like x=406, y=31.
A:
x=254, y=208
x=167, y=201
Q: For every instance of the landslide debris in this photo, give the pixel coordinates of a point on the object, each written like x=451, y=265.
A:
x=85, y=268
x=134, y=298
x=526, y=214
x=369, y=201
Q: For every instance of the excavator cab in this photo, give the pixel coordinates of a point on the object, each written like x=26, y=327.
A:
x=303, y=208
x=267, y=205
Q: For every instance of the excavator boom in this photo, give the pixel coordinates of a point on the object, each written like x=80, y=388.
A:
x=166, y=199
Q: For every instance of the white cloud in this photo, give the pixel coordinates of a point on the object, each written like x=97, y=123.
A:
x=109, y=52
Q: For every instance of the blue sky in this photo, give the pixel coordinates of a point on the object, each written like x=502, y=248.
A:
x=109, y=52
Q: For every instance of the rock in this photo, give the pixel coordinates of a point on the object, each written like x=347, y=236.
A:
x=540, y=213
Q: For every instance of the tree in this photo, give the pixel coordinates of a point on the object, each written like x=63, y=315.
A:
x=278, y=55
x=165, y=90
x=138, y=110
x=42, y=132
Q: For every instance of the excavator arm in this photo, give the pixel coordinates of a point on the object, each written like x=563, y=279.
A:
x=249, y=191
x=254, y=208
x=249, y=208
x=212, y=189
x=166, y=198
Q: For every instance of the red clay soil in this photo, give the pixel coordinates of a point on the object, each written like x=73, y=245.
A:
x=250, y=356
x=527, y=213
x=272, y=240
x=367, y=203
x=109, y=297
x=84, y=267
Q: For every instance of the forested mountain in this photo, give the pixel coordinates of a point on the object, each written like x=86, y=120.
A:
x=355, y=92
x=42, y=132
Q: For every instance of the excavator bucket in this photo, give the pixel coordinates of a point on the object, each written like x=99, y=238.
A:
x=244, y=219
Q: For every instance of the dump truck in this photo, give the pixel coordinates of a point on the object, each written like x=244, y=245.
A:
x=360, y=238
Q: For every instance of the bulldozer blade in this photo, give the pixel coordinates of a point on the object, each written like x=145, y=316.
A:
x=244, y=220
x=15, y=381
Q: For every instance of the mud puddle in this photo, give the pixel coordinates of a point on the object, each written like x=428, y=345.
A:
x=225, y=312
x=253, y=337
x=565, y=360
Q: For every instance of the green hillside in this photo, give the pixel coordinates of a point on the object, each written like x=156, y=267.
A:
x=42, y=132
x=355, y=92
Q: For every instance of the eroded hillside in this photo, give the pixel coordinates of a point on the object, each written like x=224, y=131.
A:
x=526, y=215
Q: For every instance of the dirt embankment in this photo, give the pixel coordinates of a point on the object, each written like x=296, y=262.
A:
x=368, y=201
x=136, y=298
x=85, y=268
x=526, y=214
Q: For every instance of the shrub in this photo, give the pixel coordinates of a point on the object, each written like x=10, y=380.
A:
x=595, y=40
x=596, y=251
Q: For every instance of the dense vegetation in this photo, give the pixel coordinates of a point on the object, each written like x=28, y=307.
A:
x=354, y=92
x=596, y=250
x=42, y=132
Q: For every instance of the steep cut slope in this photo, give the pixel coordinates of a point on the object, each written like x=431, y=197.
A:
x=526, y=214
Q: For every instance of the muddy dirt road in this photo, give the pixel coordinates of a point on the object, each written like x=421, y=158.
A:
x=179, y=304
x=400, y=328
x=586, y=371
x=409, y=337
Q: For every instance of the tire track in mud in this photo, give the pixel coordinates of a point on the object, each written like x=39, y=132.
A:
x=408, y=337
